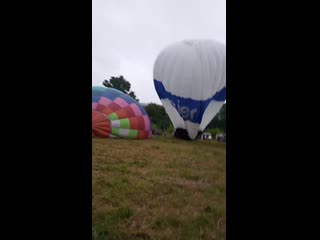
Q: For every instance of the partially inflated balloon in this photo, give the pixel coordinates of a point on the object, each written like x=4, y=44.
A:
x=116, y=114
x=190, y=79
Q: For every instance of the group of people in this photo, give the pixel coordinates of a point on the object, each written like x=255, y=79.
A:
x=221, y=137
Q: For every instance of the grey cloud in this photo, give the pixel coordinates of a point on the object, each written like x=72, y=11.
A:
x=129, y=34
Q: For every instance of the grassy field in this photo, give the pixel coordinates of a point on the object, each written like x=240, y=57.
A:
x=161, y=188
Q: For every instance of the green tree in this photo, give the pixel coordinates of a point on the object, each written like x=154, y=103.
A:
x=220, y=120
x=121, y=84
x=158, y=116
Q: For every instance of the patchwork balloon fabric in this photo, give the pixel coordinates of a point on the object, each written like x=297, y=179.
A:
x=117, y=115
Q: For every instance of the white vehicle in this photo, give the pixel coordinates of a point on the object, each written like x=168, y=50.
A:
x=206, y=136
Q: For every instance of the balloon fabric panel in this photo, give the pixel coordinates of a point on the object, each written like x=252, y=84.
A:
x=116, y=114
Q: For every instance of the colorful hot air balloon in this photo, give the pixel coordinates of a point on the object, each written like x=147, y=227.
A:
x=116, y=114
x=190, y=79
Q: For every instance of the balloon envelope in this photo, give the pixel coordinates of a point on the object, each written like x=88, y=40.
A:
x=190, y=79
x=116, y=114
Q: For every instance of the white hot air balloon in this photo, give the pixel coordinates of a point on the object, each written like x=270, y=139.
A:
x=190, y=79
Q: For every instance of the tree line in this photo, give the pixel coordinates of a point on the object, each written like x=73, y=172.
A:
x=159, y=118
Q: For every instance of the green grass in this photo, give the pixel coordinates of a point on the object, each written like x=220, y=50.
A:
x=163, y=188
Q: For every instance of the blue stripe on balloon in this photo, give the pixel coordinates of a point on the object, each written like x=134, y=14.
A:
x=189, y=109
x=112, y=94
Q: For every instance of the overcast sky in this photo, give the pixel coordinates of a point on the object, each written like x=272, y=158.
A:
x=127, y=36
